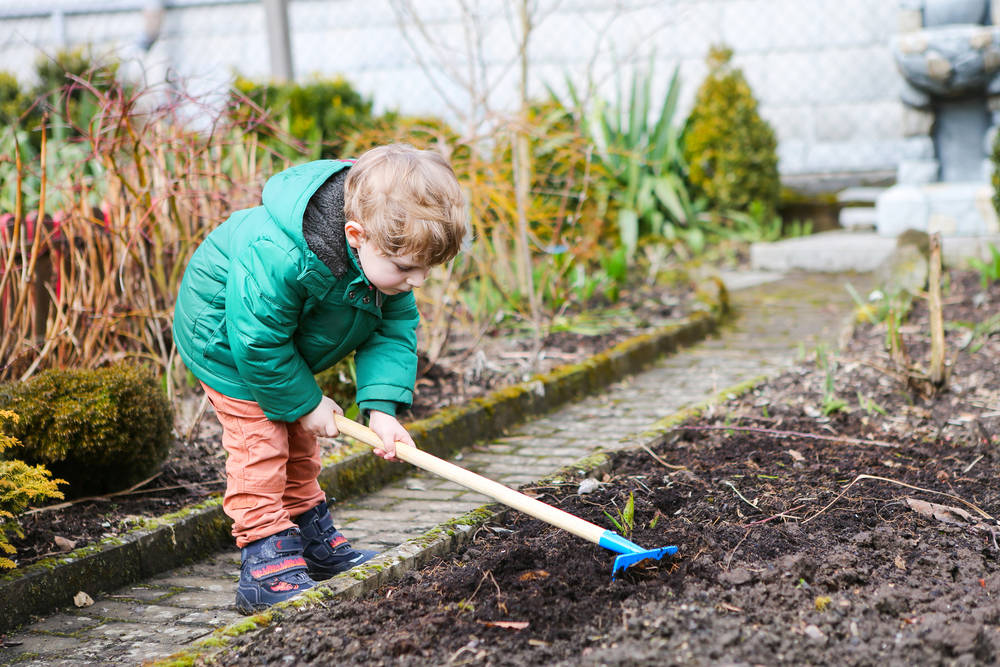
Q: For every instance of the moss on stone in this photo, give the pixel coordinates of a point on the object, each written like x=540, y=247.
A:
x=184, y=659
x=250, y=623
x=585, y=465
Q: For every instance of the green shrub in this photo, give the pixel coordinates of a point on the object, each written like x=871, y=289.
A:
x=14, y=101
x=730, y=150
x=20, y=484
x=321, y=113
x=101, y=430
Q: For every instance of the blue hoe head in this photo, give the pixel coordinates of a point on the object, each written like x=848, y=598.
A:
x=631, y=553
x=630, y=559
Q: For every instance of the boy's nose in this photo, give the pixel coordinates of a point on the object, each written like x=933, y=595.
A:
x=416, y=279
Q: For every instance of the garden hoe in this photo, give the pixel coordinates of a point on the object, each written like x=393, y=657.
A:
x=630, y=553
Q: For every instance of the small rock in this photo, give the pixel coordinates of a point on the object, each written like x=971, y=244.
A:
x=736, y=577
x=815, y=634
x=588, y=485
x=81, y=599
x=63, y=544
x=862, y=539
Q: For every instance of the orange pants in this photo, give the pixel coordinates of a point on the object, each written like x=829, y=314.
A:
x=271, y=469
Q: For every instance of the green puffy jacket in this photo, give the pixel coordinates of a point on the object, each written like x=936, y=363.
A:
x=259, y=313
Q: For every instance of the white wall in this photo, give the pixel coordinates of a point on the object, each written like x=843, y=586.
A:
x=821, y=69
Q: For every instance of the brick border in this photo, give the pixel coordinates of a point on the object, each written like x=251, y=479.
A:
x=195, y=532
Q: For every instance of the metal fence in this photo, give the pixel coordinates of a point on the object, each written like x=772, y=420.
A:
x=821, y=69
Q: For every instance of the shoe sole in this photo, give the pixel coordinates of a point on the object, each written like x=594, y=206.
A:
x=248, y=608
x=319, y=573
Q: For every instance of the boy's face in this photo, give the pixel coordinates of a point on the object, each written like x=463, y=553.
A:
x=389, y=274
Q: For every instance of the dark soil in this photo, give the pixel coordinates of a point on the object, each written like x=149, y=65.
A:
x=473, y=366
x=802, y=535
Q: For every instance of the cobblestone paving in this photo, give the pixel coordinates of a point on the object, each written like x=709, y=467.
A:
x=774, y=323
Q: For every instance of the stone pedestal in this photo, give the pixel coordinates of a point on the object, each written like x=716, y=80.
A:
x=948, y=52
x=954, y=209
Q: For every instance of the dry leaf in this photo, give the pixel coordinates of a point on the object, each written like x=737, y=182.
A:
x=81, y=599
x=512, y=625
x=796, y=456
x=63, y=544
x=899, y=563
x=942, y=513
x=534, y=574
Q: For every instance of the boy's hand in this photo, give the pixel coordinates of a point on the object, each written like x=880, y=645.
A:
x=390, y=430
x=320, y=421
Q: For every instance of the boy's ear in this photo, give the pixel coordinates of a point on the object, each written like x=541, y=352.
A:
x=355, y=234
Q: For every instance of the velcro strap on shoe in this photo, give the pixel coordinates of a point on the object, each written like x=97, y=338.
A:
x=287, y=544
x=277, y=566
x=336, y=540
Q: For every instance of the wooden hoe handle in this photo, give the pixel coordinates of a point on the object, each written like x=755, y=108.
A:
x=478, y=483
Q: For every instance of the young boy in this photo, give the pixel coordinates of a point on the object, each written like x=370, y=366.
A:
x=325, y=267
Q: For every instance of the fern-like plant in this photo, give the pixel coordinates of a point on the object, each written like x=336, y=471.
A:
x=20, y=485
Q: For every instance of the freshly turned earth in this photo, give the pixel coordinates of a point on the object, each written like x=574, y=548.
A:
x=805, y=538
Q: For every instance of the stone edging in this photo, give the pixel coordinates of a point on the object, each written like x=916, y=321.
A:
x=443, y=539
x=173, y=540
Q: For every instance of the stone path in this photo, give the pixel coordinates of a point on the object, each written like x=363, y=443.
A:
x=774, y=322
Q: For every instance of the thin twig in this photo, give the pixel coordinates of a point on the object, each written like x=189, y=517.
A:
x=969, y=467
x=202, y=408
x=790, y=434
x=732, y=553
x=131, y=491
x=661, y=461
x=779, y=515
x=737, y=492
x=893, y=481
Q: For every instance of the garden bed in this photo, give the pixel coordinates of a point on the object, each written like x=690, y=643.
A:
x=474, y=367
x=804, y=537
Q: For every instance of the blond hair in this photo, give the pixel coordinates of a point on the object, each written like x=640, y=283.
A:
x=408, y=201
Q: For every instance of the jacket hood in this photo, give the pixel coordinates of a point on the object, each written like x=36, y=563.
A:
x=287, y=193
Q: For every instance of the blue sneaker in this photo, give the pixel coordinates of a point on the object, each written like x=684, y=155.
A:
x=272, y=570
x=326, y=551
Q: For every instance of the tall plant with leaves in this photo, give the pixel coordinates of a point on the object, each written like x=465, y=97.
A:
x=564, y=222
x=644, y=160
